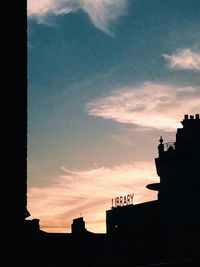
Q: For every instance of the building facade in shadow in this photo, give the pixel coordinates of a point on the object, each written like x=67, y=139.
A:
x=169, y=227
x=166, y=230
x=178, y=166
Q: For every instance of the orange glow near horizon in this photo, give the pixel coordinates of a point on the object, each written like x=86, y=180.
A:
x=88, y=194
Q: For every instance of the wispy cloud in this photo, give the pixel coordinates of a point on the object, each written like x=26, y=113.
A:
x=184, y=59
x=151, y=105
x=88, y=193
x=103, y=13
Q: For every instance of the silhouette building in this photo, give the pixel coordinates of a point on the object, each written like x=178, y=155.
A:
x=169, y=227
x=166, y=230
x=179, y=189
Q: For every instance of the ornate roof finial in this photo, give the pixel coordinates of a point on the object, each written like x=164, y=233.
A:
x=160, y=146
x=161, y=140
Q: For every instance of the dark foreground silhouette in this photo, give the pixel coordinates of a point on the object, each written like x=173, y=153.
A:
x=164, y=232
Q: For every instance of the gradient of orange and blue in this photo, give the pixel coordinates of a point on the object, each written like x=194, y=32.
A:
x=106, y=78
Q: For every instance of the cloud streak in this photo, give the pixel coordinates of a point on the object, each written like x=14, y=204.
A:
x=184, y=59
x=88, y=193
x=151, y=105
x=103, y=13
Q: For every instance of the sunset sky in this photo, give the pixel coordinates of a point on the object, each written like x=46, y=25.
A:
x=106, y=79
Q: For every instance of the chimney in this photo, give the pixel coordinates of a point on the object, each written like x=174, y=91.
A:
x=78, y=226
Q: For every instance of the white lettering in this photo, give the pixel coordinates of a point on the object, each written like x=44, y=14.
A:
x=122, y=201
x=132, y=198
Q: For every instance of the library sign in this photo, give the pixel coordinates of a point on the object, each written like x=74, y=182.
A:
x=122, y=201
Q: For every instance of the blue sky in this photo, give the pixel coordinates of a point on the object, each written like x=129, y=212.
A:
x=105, y=79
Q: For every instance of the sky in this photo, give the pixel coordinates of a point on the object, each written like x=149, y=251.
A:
x=106, y=79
